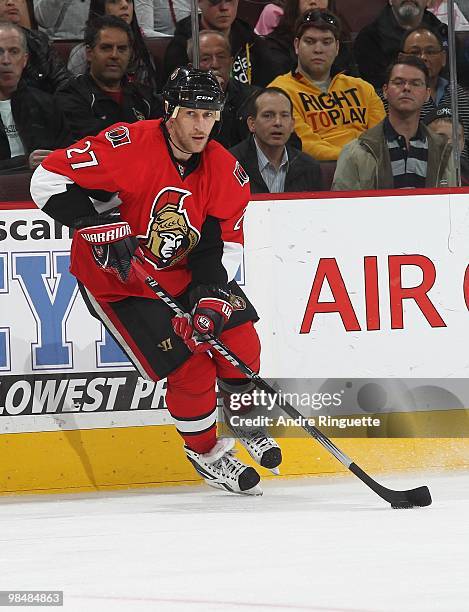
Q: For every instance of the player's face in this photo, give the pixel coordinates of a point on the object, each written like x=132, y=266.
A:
x=406, y=91
x=215, y=55
x=309, y=5
x=218, y=16
x=110, y=57
x=120, y=8
x=316, y=50
x=10, y=11
x=13, y=59
x=191, y=129
x=425, y=44
x=273, y=123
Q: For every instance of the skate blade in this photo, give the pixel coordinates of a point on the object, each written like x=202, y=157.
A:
x=256, y=490
x=253, y=491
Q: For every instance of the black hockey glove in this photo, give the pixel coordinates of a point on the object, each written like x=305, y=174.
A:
x=112, y=243
x=210, y=308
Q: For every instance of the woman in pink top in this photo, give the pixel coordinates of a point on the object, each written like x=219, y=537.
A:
x=440, y=9
x=272, y=13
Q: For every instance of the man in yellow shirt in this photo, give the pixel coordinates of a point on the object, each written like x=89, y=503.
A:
x=329, y=110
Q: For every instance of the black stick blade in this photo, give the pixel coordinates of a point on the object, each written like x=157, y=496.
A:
x=414, y=497
x=398, y=499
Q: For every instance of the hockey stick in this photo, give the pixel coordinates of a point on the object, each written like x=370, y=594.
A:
x=398, y=499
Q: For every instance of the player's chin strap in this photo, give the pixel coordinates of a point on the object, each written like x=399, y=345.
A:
x=173, y=115
x=398, y=499
x=178, y=148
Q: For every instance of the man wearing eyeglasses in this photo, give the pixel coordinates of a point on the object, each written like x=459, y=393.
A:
x=378, y=43
x=400, y=152
x=429, y=46
x=330, y=108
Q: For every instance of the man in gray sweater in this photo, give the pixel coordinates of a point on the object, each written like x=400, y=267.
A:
x=62, y=19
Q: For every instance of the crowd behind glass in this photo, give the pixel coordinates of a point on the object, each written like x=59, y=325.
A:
x=311, y=103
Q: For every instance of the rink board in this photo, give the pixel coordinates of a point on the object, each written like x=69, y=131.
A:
x=330, y=292
x=121, y=458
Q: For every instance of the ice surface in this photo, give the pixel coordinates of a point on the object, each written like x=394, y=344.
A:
x=317, y=544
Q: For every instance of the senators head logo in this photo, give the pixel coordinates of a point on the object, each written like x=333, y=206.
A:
x=170, y=235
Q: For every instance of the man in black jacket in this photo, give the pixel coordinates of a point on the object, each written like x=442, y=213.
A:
x=215, y=55
x=45, y=70
x=273, y=165
x=378, y=44
x=102, y=97
x=31, y=124
x=251, y=61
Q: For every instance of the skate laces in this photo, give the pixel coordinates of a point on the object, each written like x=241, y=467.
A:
x=230, y=465
x=258, y=439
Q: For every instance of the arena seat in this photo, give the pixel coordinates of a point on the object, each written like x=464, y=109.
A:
x=327, y=174
x=63, y=47
x=462, y=57
x=249, y=10
x=157, y=48
x=359, y=13
x=15, y=187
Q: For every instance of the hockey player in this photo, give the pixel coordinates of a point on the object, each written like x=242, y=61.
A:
x=164, y=192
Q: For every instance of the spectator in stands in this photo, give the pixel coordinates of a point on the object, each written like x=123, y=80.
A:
x=400, y=152
x=103, y=96
x=329, y=110
x=273, y=165
x=272, y=13
x=428, y=45
x=44, y=70
x=141, y=68
x=251, y=63
x=377, y=45
x=159, y=17
x=440, y=9
x=62, y=19
x=280, y=42
x=215, y=55
x=31, y=123
x=440, y=121
x=27, y=19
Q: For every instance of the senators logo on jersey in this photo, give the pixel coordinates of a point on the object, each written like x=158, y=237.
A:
x=240, y=174
x=170, y=235
x=118, y=136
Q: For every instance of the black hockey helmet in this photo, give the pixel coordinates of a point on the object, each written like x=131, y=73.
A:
x=192, y=88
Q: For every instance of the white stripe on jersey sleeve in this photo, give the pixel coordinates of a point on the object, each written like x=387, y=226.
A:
x=232, y=258
x=195, y=425
x=45, y=184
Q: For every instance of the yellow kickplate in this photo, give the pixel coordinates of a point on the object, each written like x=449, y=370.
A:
x=117, y=458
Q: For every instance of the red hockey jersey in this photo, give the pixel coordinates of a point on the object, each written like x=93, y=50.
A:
x=189, y=228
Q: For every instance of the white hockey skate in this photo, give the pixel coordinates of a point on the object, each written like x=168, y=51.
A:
x=264, y=450
x=220, y=469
